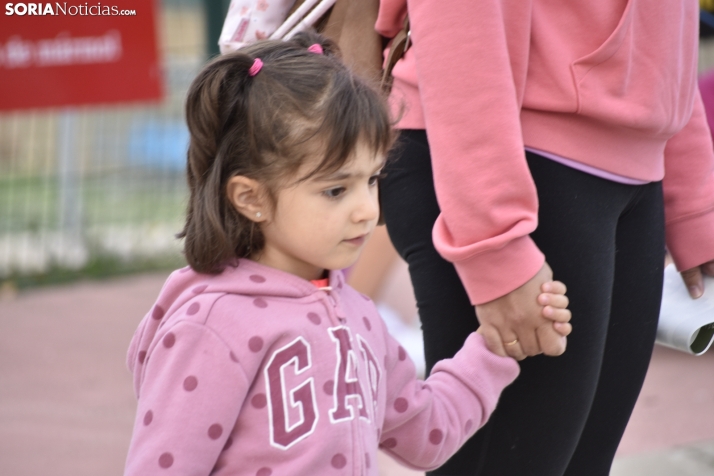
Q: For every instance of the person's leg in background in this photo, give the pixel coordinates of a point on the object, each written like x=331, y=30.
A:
x=541, y=418
x=537, y=425
x=639, y=268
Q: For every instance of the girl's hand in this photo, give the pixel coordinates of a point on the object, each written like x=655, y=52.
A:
x=555, y=306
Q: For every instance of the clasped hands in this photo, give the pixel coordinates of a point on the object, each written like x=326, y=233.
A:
x=533, y=319
x=530, y=320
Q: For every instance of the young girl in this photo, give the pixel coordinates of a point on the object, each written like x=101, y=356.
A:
x=258, y=359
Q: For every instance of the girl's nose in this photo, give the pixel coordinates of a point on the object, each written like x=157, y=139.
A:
x=368, y=207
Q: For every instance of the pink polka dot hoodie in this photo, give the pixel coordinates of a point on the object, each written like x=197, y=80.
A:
x=258, y=372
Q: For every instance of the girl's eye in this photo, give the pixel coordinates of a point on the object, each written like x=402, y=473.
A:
x=334, y=192
x=374, y=179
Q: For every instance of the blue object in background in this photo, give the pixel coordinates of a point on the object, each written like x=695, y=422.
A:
x=158, y=144
x=706, y=24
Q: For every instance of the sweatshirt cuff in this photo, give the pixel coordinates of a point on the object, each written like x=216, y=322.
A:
x=490, y=373
x=691, y=240
x=492, y=274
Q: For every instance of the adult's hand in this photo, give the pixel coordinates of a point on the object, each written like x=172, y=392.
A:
x=693, y=278
x=518, y=317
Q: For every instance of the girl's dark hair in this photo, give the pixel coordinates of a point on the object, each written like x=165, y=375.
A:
x=264, y=127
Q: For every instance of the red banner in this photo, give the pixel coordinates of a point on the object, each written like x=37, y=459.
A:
x=72, y=53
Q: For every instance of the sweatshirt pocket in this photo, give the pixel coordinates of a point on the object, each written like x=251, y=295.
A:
x=607, y=50
x=644, y=75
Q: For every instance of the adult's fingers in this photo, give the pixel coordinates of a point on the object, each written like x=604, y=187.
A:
x=528, y=343
x=514, y=348
x=493, y=340
x=694, y=282
x=517, y=315
x=708, y=268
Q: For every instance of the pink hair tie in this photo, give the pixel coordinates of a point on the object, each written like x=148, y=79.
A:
x=256, y=67
x=315, y=48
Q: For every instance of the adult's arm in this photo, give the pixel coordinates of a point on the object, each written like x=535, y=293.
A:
x=689, y=198
x=471, y=60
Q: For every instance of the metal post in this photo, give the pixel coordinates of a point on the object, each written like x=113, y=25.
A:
x=72, y=250
x=216, y=11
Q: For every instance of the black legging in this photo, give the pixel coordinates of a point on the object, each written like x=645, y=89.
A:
x=605, y=240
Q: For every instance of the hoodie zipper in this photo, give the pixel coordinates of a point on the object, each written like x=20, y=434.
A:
x=334, y=310
x=336, y=316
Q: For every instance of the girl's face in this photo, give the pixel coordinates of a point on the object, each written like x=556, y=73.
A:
x=323, y=222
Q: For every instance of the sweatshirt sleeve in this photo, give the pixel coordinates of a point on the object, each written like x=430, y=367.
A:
x=471, y=62
x=428, y=421
x=689, y=192
x=192, y=391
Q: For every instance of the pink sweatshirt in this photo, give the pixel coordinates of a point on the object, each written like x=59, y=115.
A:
x=609, y=83
x=257, y=372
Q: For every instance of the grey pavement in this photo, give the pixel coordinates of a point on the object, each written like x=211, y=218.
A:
x=696, y=459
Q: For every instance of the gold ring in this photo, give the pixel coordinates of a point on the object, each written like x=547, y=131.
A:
x=513, y=342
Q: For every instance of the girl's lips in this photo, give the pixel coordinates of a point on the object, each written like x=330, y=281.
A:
x=358, y=241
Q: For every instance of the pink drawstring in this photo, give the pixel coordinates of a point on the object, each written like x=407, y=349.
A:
x=315, y=48
x=256, y=67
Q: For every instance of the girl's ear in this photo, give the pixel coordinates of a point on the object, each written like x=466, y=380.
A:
x=248, y=197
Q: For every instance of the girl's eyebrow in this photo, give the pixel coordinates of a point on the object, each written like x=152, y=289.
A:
x=335, y=176
x=341, y=175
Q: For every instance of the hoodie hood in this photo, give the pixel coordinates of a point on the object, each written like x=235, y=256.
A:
x=242, y=276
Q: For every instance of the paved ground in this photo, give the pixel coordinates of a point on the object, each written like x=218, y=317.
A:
x=67, y=408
